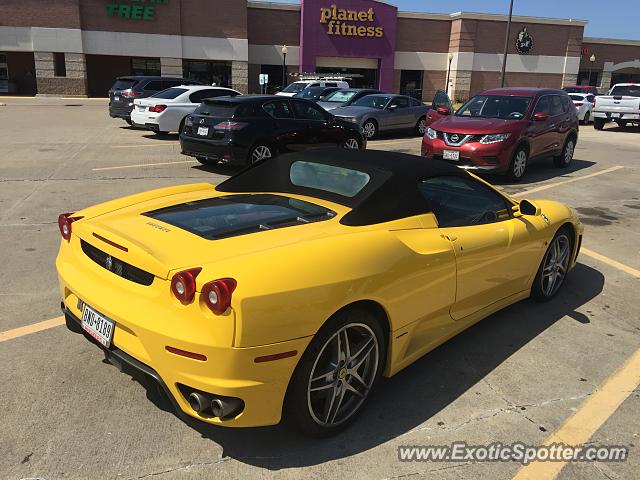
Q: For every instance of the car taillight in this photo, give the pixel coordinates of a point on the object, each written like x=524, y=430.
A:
x=129, y=93
x=188, y=122
x=64, y=224
x=183, y=285
x=158, y=108
x=229, y=125
x=594, y=102
x=217, y=294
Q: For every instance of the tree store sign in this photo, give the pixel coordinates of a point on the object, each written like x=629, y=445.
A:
x=134, y=9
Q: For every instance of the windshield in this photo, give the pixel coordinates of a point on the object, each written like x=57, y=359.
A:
x=341, y=96
x=495, y=106
x=295, y=87
x=232, y=215
x=310, y=92
x=170, y=93
x=626, y=91
x=124, y=84
x=372, y=101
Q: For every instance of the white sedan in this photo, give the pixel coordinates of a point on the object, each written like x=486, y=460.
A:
x=165, y=111
x=584, y=103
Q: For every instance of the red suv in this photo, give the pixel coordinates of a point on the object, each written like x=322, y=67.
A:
x=503, y=130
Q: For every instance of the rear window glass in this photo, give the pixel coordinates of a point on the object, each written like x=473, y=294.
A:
x=626, y=91
x=578, y=98
x=124, y=84
x=233, y=215
x=216, y=109
x=343, y=181
x=372, y=101
x=340, y=96
x=170, y=93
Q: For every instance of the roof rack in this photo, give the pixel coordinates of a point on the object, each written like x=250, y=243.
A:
x=323, y=76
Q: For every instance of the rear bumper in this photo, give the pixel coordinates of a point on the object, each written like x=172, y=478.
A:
x=622, y=116
x=223, y=151
x=146, y=323
x=121, y=112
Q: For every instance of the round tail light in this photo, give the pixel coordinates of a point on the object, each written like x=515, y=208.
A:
x=183, y=285
x=217, y=294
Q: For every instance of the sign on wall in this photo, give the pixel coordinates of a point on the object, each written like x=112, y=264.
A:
x=524, y=41
x=134, y=9
x=350, y=23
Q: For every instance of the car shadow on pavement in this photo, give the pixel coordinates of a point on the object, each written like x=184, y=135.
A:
x=419, y=392
x=162, y=137
x=541, y=171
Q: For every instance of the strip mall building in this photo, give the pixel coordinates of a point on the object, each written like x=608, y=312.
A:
x=78, y=47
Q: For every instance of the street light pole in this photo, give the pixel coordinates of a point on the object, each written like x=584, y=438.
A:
x=446, y=88
x=284, y=66
x=506, y=45
x=592, y=60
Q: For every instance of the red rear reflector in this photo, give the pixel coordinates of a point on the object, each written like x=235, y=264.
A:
x=113, y=244
x=275, y=356
x=185, y=353
x=578, y=104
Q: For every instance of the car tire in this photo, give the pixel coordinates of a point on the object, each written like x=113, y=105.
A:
x=128, y=120
x=370, y=129
x=421, y=127
x=207, y=161
x=564, y=159
x=336, y=372
x=260, y=151
x=586, y=119
x=350, y=143
x=598, y=123
x=554, y=266
x=518, y=164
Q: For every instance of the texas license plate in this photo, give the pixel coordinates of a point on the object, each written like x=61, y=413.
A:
x=615, y=115
x=451, y=155
x=204, y=131
x=97, y=325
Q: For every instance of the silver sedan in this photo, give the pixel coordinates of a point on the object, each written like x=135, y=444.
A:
x=385, y=112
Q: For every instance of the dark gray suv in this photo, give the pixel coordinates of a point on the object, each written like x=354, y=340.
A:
x=126, y=89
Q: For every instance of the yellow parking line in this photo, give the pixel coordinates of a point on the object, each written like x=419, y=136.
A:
x=589, y=417
x=571, y=180
x=142, y=165
x=28, y=329
x=611, y=262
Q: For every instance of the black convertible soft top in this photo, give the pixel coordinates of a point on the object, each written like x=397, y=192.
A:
x=392, y=191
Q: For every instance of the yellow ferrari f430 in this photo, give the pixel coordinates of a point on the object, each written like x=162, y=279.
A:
x=292, y=287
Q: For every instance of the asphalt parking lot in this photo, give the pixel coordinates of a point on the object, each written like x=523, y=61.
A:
x=516, y=376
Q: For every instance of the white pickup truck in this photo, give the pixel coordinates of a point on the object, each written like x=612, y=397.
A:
x=622, y=106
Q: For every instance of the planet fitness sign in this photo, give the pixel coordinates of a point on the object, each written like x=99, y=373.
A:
x=364, y=29
x=134, y=9
x=340, y=21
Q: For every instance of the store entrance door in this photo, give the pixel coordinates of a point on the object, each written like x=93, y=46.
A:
x=4, y=74
x=357, y=77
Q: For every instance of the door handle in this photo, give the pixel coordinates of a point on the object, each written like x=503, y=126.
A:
x=451, y=238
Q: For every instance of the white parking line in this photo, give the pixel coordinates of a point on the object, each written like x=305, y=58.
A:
x=571, y=180
x=143, y=146
x=140, y=165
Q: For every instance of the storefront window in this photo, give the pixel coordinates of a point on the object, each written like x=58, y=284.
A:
x=145, y=66
x=208, y=73
x=411, y=83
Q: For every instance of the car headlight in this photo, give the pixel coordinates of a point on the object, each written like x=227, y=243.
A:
x=351, y=119
x=431, y=133
x=494, y=138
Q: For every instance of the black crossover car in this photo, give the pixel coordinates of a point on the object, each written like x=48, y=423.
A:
x=245, y=129
x=126, y=89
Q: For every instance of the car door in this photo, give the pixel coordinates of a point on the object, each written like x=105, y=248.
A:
x=542, y=133
x=288, y=132
x=319, y=130
x=400, y=113
x=496, y=253
x=440, y=100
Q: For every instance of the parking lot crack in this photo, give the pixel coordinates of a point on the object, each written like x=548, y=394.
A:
x=181, y=467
